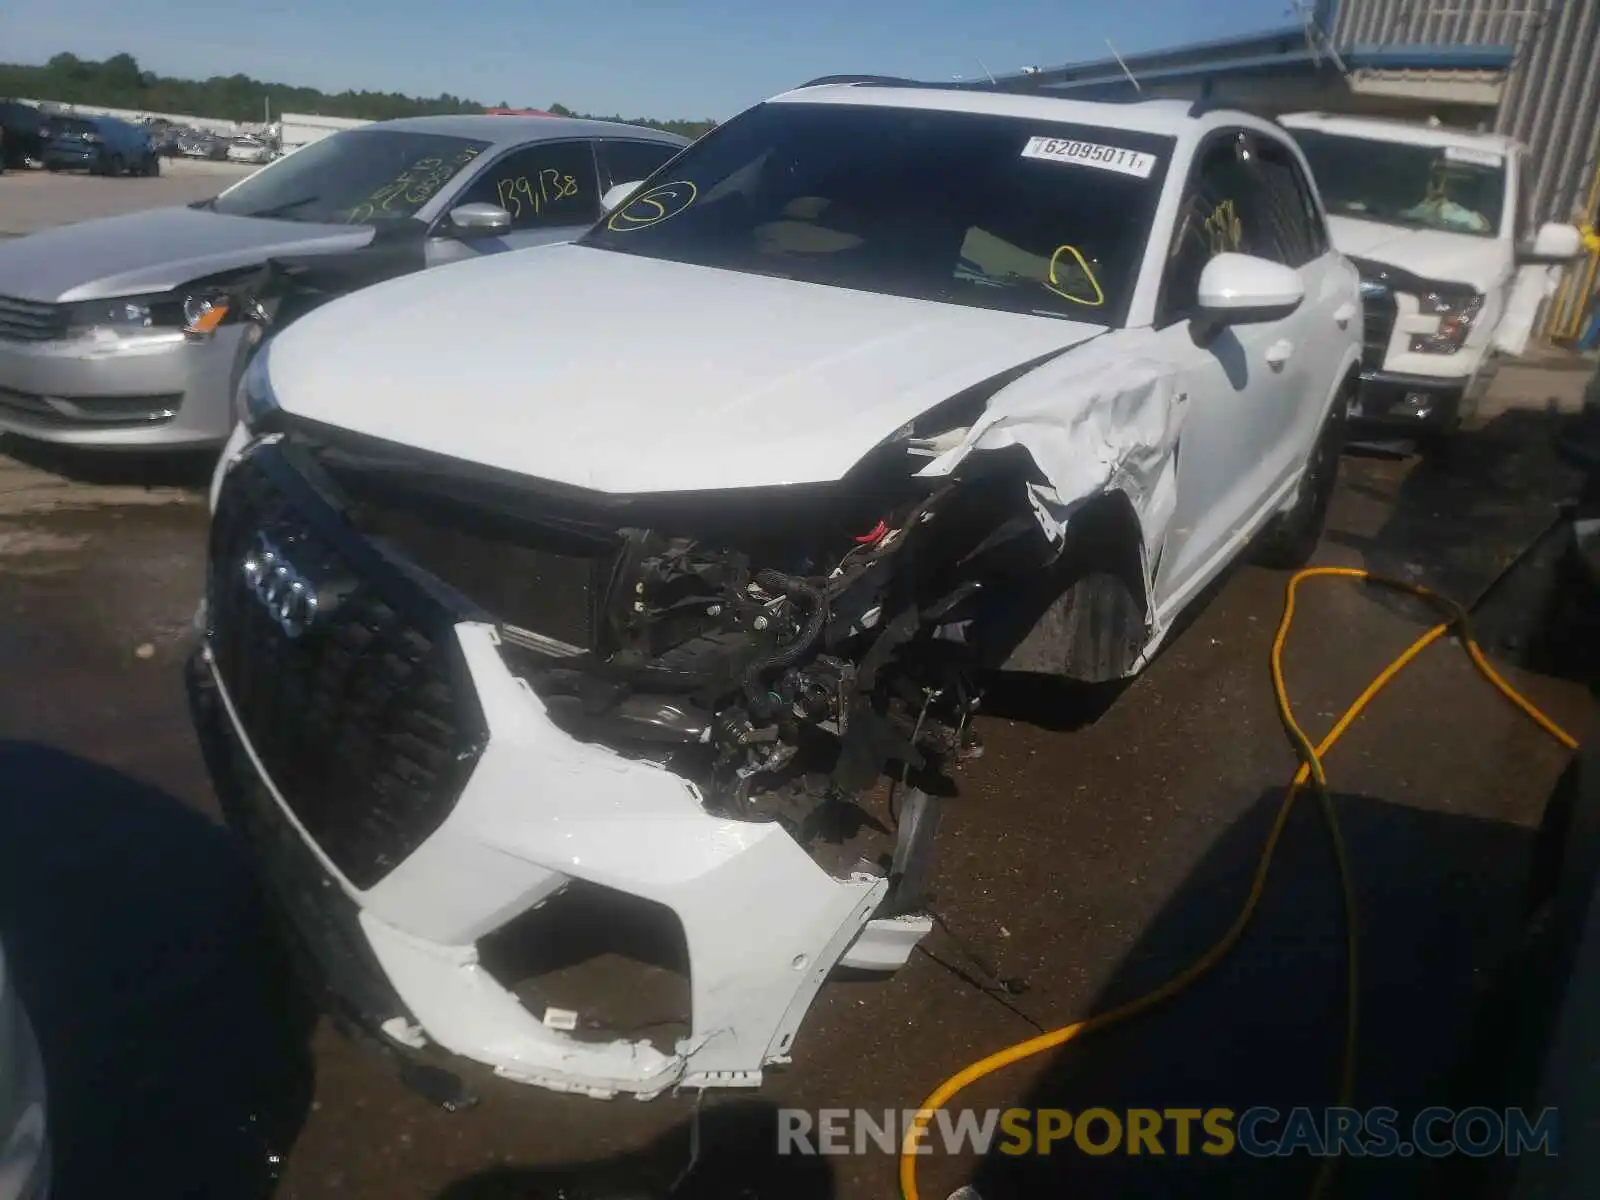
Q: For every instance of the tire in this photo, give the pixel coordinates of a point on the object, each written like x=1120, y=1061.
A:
x=1291, y=537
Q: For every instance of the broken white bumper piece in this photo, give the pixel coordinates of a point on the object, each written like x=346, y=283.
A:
x=762, y=922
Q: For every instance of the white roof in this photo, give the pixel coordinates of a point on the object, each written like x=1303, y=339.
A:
x=1412, y=133
x=1145, y=116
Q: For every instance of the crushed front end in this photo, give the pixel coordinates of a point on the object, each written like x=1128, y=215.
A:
x=448, y=705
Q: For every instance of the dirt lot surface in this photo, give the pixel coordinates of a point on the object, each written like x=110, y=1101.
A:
x=1087, y=860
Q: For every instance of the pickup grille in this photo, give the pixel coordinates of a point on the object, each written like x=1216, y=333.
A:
x=365, y=721
x=30, y=320
x=1379, y=313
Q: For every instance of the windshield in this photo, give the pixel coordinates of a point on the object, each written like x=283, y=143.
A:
x=358, y=176
x=986, y=211
x=1449, y=188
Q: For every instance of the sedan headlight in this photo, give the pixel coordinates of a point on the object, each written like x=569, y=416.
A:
x=1456, y=311
x=123, y=317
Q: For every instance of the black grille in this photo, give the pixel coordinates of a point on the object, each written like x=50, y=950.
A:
x=1378, y=307
x=31, y=321
x=365, y=722
x=528, y=578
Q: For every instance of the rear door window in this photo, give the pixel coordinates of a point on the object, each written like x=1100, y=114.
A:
x=630, y=162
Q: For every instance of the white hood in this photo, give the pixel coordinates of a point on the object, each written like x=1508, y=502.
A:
x=1446, y=257
x=623, y=374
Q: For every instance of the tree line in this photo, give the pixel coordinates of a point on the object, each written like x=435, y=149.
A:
x=119, y=82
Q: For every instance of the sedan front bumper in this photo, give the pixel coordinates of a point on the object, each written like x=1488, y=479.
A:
x=163, y=392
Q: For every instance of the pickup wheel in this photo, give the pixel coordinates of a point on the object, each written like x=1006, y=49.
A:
x=1291, y=537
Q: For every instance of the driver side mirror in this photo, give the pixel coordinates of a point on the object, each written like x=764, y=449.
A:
x=479, y=220
x=1241, y=289
x=617, y=195
x=1552, y=246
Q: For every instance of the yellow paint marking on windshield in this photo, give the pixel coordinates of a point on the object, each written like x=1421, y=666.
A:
x=1083, y=265
x=412, y=187
x=1223, y=228
x=660, y=202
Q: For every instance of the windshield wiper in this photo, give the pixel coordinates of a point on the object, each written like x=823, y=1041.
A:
x=277, y=210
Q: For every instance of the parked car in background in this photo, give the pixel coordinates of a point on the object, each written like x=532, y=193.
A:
x=24, y=130
x=249, y=150
x=24, y=1140
x=198, y=144
x=111, y=331
x=569, y=586
x=1438, y=221
x=99, y=145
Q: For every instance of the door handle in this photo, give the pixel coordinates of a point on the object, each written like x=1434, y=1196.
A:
x=1279, y=352
x=1344, y=314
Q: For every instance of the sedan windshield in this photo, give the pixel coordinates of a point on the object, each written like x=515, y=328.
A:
x=1448, y=188
x=974, y=209
x=358, y=176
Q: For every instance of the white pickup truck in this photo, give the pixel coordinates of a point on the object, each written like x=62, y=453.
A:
x=1440, y=224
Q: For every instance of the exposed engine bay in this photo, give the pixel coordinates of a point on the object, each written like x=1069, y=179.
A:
x=785, y=651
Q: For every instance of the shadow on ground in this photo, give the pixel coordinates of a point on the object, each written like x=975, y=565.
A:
x=1457, y=521
x=175, y=469
x=175, y=1052
x=1439, y=903
x=737, y=1160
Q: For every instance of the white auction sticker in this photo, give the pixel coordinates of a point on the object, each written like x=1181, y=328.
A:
x=1478, y=158
x=1090, y=154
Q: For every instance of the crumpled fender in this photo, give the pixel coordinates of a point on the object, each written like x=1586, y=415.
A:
x=1102, y=419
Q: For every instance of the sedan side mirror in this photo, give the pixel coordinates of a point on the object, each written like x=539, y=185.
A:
x=1552, y=246
x=480, y=220
x=1241, y=289
x=618, y=195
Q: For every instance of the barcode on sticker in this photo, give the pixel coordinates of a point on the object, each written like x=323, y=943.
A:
x=1091, y=154
x=1478, y=158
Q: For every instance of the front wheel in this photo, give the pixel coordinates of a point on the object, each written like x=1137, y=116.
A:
x=1291, y=537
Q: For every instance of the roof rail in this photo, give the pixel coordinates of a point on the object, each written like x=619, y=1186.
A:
x=876, y=80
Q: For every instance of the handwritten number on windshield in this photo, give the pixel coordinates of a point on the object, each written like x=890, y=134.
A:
x=413, y=187
x=519, y=193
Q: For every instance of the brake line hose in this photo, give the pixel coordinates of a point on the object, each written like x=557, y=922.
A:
x=1309, y=773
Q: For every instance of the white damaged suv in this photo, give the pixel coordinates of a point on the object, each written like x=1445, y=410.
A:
x=619, y=577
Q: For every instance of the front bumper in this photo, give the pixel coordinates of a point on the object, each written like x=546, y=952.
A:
x=56, y=159
x=763, y=924
x=163, y=393
x=1391, y=401
x=394, y=885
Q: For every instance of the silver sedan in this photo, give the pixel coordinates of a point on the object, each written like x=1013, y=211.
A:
x=107, y=339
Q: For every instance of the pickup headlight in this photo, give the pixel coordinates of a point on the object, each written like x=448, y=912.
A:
x=1456, y=312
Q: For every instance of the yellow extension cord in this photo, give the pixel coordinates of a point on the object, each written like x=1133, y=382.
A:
x=1310, y=770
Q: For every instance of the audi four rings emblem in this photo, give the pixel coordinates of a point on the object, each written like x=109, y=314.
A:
x=289, y=597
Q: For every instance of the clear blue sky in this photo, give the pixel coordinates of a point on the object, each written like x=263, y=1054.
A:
x=695, y=58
